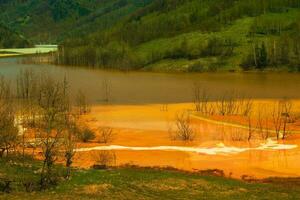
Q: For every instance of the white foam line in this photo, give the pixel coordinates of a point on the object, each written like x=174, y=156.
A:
x=219, y=149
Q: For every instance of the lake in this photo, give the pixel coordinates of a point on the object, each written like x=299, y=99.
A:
x=152, y=88
x=142, y=129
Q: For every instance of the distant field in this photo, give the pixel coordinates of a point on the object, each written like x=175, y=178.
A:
x=26, y=51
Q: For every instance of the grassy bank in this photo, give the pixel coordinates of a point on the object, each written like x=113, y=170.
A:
x=134, y=183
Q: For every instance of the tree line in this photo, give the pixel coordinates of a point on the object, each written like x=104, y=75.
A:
x=117, y=47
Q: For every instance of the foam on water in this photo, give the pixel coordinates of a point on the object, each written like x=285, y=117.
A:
x=219, y=149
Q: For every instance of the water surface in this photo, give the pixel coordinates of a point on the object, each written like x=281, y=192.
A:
x=150, y=88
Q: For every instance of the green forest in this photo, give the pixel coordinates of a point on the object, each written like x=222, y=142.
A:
x=51, y=21
x=164, y=35
x=190, y=35
x=9, y=39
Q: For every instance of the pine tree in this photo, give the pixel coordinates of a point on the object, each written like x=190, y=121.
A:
x=263, y=57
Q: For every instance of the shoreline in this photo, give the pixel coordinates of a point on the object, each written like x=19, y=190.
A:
x=144, y=69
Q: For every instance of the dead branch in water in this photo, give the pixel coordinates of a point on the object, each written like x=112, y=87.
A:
x=106, y=134
x=107, y=87
x=251, y=129
x=277, y=119
x=201, y=100
x=286, y=115
x=82, y=104
x=184, y=131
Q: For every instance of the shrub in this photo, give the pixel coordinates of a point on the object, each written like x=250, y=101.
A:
x=104, y=159
x=86, y=135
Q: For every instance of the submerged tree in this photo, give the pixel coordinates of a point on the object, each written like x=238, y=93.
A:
x=8, y=122
x=184, y=130
x=82, y=103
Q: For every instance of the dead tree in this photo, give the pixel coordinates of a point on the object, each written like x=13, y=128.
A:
x=26, y=84
x=245, y=106
x=221, y=105
x=201, y=100
x=54, y=106
x=277, y=119
x=105, y=159
x=106, y=134
x=8, y=129
x=260, y=124
x=106, y=86
x=251, y=129
x=70, y=142
x=184, y=131
x=286, y=115
x=82, y=103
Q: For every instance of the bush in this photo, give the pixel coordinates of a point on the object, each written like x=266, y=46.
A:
x=104, y=159
x=86, y=135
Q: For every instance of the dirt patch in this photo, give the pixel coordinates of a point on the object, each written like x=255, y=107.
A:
x=172, y=184
x=95, y=189
x=234, y=191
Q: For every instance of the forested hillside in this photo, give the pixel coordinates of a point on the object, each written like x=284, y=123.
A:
x=163, y=35
x=193, y=35
x=50, y=21
x=9, y=39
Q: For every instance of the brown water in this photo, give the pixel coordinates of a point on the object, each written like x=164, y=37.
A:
x=149, y=88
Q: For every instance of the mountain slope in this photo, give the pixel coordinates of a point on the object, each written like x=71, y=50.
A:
x=9, y=39
x=53, y=20
x=192, y=35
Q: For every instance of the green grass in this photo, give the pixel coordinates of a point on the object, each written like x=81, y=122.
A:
x=25, y=51
x=238, y=31
x=136, y=183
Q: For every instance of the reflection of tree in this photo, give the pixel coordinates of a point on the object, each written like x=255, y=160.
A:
x=106, y=86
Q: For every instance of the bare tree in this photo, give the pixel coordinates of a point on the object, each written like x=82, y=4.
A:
x=251, y=129
x=286, y=115
x=54, y=107
x=201, y=100
x=231, y=103
x=228, y=104
x=277, y=119
x=82, y=103
x=8, y=129
x=184, y=130
x=245, y=105
x=70, y=142
x=106, y=86
x=260, y=124
x=221, y=105
x=105, y=159
x=106, y=134
x=26, y=84
x=27, y=93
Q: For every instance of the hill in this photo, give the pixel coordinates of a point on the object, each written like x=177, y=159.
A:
x=50, y=21
x=9, y=38
x=192, y=35
x=163, y=35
